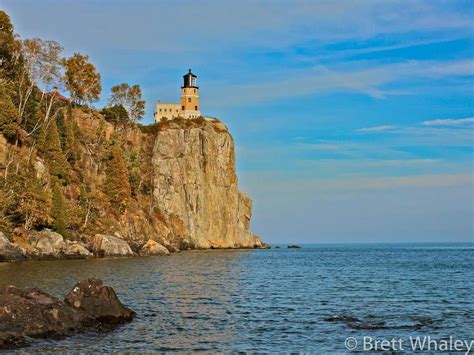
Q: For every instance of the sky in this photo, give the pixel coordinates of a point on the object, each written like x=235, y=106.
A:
x=353, y=120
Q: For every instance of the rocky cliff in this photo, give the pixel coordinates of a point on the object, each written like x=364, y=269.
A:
x=195, y=183
x=184, y=188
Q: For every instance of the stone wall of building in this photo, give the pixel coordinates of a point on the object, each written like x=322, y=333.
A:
x=167, y=111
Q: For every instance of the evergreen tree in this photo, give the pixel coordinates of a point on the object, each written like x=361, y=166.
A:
x=59, y=211
x=116, y=114
x=117, y=182
x=11, y=60
x=8, y=112
x=66, y=133
x=55, y=158
x=26, y=201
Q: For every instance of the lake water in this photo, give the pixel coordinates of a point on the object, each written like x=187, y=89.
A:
x=271, y=300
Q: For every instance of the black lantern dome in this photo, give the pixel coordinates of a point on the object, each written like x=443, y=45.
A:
x=189, y=80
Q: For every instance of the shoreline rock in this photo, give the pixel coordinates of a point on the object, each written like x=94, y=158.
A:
x=10, y=251
x=36, y=314
x=49, y=245
x=107, y=245
x=98, y=301
x=152, y=247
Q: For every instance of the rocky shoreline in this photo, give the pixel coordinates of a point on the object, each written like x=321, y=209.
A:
x=32, y=313
x=49, y=245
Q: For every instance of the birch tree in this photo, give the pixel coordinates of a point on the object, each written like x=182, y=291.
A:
x=130, y=97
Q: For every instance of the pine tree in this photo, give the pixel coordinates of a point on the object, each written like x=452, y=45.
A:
x=59, y=211
x=66, y=133
x=26, y=201
x=117, y=182
x=55, y=158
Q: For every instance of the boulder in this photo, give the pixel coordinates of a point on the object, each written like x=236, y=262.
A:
x=45, y=244
x=9, y=251
x=75, y=250
x=32, y=313
x=99, y=302
x=106, y=245
x=152, y=247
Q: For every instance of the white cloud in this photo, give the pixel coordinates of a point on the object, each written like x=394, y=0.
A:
x=376, y=129
x=159, y=25
x=450, y=122
x=363, y=78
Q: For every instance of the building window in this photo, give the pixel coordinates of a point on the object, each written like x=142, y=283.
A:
x=182, y=108
x=194, y=90
x=160, y=109
x=189, y=99
x=196, y=108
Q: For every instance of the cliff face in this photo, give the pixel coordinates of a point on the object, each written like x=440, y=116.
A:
x=185, y=192
x=195, y=185
x=194, y=201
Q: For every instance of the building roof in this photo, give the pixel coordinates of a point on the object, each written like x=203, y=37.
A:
x=190, y=73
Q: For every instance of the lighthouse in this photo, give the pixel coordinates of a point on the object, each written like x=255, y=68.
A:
x=189, y=106
x=190, y=96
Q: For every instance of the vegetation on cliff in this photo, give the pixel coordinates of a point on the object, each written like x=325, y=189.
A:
x=43, y=183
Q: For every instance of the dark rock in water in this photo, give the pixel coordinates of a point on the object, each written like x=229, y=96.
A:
x=366, y=326
x=277, y=247
x=341, y=319
x=36, y=314
x=294, y=247
x=98, y=301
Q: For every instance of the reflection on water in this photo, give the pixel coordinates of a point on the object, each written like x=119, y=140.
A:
x=264, y=300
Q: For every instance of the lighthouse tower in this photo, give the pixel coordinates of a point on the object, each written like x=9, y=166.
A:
x=190, y=96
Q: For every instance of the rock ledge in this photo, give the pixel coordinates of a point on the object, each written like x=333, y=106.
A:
x=36, y=314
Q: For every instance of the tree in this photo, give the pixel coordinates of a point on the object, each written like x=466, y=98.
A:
x=10, y=53
x=82, y=79
x=10, y=67
x=66, y=133
x=59, y=209
x=117, y=183
x=42, y=69
x=130, y=97
x=55, y=158
x=26, y=201
x=115, y=114
x=8, y=112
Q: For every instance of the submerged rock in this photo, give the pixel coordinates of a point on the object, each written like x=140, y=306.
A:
x=36, y=314
x=99, y=302
x=366, y=325
x=341, y=319
x=153, y=248
x=370, y=324
x=293, y=246
x=106, y=245
x=9, y=251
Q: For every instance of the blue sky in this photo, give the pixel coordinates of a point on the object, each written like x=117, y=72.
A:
x=353, y=120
